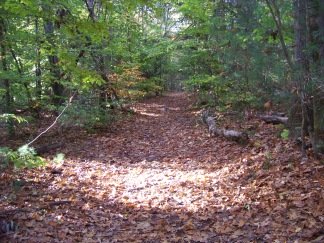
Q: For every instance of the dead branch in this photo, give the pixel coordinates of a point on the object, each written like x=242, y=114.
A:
x=237, y=136
x=55, y=121
x=274, y=119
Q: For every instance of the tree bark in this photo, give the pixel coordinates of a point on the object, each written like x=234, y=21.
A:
x=302, y=65
x=90, y=6
x=19, y=67
x=274, y=119
x=100, y=61
x=213, y=130
x=6, y=82
x=38, y=70
x=316, y=40
x=274, y=10
x=57, y=87
x=318, y=137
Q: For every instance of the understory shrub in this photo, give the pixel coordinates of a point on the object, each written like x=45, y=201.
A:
x=87, y=113
x=148, y=87
x=23, y=157
x=221, y=92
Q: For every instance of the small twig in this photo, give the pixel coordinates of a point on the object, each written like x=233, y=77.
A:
x=55, y=121
x=59, y=203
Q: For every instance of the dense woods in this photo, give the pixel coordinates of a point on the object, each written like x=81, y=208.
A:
x=83, y=64
x=234, y=54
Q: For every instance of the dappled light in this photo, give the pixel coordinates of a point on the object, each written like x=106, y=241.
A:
x=161, y=121
x=143, y=112
x=167, y=179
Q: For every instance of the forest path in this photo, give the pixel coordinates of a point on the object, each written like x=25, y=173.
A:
x=163, y=129
x=158, y=177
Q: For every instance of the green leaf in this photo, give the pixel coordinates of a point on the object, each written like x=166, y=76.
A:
x=285, y=134
x=59, y=158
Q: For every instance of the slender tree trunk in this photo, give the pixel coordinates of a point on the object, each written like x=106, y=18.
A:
x=6, y=82
x=316, y=40
x=38, y=70
x=100, y=61
x=274, y=10
x=19, y=67
x=57, y=87
x=302, y=64
x=318, y=137
x=91, y=9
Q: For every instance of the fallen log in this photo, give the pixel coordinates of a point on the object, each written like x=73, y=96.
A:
x=274, y=119
x=281, y=114
x=237, y=136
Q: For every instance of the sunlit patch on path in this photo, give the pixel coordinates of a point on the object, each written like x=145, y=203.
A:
x=158, y=176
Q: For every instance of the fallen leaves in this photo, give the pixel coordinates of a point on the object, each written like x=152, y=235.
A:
x=160, y=178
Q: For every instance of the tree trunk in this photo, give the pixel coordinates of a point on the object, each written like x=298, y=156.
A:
x=6, y=82
x=274, y=10
x=302, y=65
x=38, y=70
x=240, y=137
x=19, y=67
x=274, y=119
x=91, y=9
x=318, y=137
x=316, y=39
x=100, y=61
x=57, y=87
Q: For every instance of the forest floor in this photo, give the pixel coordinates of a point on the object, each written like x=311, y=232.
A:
x=157, y=176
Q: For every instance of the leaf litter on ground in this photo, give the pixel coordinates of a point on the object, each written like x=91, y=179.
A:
x=158, y=176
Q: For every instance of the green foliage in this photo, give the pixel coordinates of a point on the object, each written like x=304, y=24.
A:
x=86, y=114
x=207, y=88
x=11, y=121
x=59, y=158
x=219, y=91
x=285, y=134
x=196, y=10
x=226, y=51
x=24, y=157
x=12, y=117
x=149, y=86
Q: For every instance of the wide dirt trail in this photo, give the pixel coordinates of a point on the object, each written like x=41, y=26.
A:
x=158, y=177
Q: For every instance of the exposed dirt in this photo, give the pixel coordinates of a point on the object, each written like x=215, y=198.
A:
x=158, y=177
